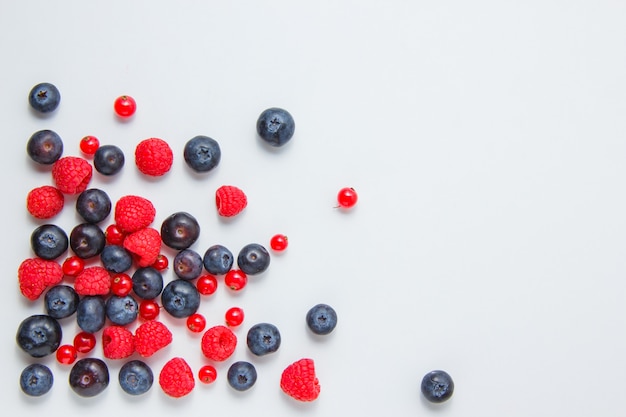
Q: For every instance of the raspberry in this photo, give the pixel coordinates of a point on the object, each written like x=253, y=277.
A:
x=298, y=380
x=117, y=342
x=151, y=337
x=72, y=174
x=230, y=200
x=93, y=280
x=133, y=213
x=36, y=274
x=176, y=378
x=218, y=343
x=45, y=202
x=145, y=245
x=153, y=157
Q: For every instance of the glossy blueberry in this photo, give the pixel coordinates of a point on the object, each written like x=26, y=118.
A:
x=87, y=240
x=49, y=241
x=89, y=377
x=253, y=259
x=108, y=160
x=187, y=264
x=180, y=230
x=263, y=338
x=39, y=335
x=147, y=283
x=93, y=205
x=202, y=153
x=275, y=126
x=91, y=313
x=218, y=260
x=44, y=147
x=116, y=258
x=437, y=386
x=44, y=97
x=36, y=380
x=61, y=301
x=241, y=375
x=122, y=310
x=135, y=377
x=321, y=319
x=180, y=298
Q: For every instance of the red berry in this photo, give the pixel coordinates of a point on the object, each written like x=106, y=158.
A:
x=279, y=242
x=114, y=235
x=230, y=200
x=73, y=266
x=234, y=316
x=89, y=145
x=153, y=157
x=72, y=174
x=196, y=322
x=84, y=342
x=121, y=284
x=66, y=354
x=145, y=245
x=149, y=309
x=93, y=280
x=161, y=263
x=45, y=202
x=218, y=343
x=298, y=380
x=347, y=197
x=206, y=284
x=176, y=378
x=117, y=342
x=133, y=213
x=35, y=275
x=207, y=374
x=235, y=279
x=125, y=106
x=151, y=336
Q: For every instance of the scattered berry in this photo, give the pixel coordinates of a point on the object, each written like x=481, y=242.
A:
x=36, y=274
x=93, y=205
x=121, y=310
x=234, y=316
x=150, y=337
x=202, y=153
x=263, y=338
x=218, y=343
x=347, y=197
x=230, y=200
x=206, y=284
x=180, y=298
x=45, y=147
x=321, y=319
x=87, y=240
x=187, y=264
x=298, y=381
x=180, y=230
x=45, y=202
x=61, y=301
x=241, y=375
x=36, y=380
x=218, y=260
x=153, y=157
x=91, y=314
x=145, y=244
x=71, y=174
x=117, y=342
x=116, y=259
x=135, y=377
x=176, y=378
x=93, y=280
x=279, y=242
x=66, y=354
x=89, y=377
x=121, y=284
x=149, y=309
x=253, y=259
x=437, y=386
x=39, y=335
x=73, y=265
x=161, y=263
x=207, y=374
x=84, y=342
x=133, y=213
x=114, y=235
x=108, y=160
x=147, y=283
x=275, y=126
x=44, y=97
x=125, y=106
x=196, y=323
x=89, y=145
x=235, y=279
x=49, y=241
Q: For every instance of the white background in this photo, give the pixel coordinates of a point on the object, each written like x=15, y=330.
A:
x=486, y=140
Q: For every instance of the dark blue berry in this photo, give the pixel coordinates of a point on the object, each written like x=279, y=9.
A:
x=93, y=205
x=241, y=375
x=36, y=380
x=39, y=335
x=108, y=160
x=136, y=377
x=253, y=259
x=89, y=377
x=147, y=283
x=61, y=301
x=122, y=310
x=202, y=153
x=44, y=97
x=187, y=264
x=49, y=241
x=180, y=230
x=180, y=298
x=275, y=126
x=45, y=147
x=87, y=240
x=263, y=338
x=321, y=319
x=91, y=313
x=218, y=260
x=437, y=386
x=116, y=258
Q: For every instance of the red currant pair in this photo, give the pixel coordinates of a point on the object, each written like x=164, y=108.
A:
x=125, y=106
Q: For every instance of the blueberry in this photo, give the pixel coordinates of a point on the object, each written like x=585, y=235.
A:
x=202, y=153
x=218, y=260
x=147, y=283
x=321, y=319
x=122, y=310
x=116, y=258
x=39, y=335
x=108, y=160
x=87, y=240
x=89, y=377
x=49, y=241
x=61, y=301
x=36, y=380
x=437, y=386
x=93, y=205
x=180, y=298
x=263, y=338
x=135, y=377
x=91, y=313
x=44, y=97
x=187, y=264
x=180, y=230
x=253, y=259
x=45, y=147
x=275, y=126
x=241, y=375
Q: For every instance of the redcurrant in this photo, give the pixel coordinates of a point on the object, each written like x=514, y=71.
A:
x=207, y=374
x=84, y=342
x=206, y=284
x=196, y=322
x=149, y=309
x=121, y=284
x=347, y=197
x=125, y=106
x=89, y=145
x=66, y=354
x=114, y=235
x=234, y=316
x=161, y=263
x=279, y=242
x=235, y=279
x=73, y=266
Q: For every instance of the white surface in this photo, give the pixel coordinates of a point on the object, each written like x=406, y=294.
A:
x=486, y=140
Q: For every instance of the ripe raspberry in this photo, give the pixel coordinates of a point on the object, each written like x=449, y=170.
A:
x=72, y=174
x=218, y=343
x=150, y=337
x=117, y=342
x=93, y=280
x=299, y=381
x=230, y=200
x=176, y=378
x=36, y=274
x=45, y=202
x=154, y=157
x=145, y=245
x=133, y=213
